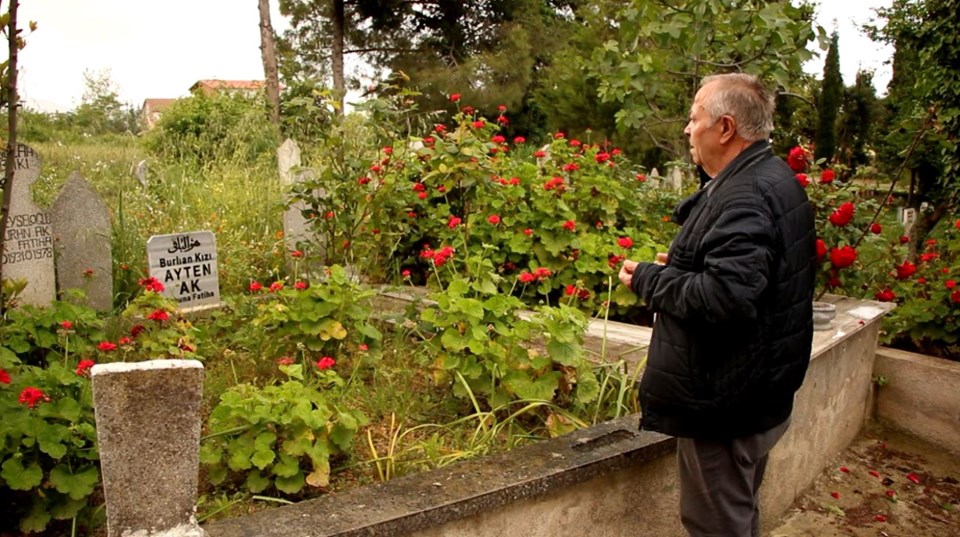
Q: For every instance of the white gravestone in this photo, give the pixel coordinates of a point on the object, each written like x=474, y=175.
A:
x=27, y=242
x=186, y=265
x=81, y=232
x=294, y=224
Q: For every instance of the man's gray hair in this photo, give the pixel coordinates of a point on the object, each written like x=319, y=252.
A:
x=745, y=98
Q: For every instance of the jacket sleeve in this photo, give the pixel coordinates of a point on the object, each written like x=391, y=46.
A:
x=738, y=256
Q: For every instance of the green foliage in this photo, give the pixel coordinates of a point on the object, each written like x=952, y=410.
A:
x=576, y=209
x=48, y=455
x=279, y=437
x=828, y=104
x=856, y=124
x=653, y=66
x=206, y=129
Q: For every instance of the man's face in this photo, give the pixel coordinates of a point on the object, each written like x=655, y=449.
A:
x=703, y=133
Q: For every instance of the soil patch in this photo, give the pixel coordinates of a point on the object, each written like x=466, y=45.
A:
x=885, y=484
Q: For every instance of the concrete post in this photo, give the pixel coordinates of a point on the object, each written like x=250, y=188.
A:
x=148, y=426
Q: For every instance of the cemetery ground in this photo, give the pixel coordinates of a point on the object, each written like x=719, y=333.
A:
x=885, y=484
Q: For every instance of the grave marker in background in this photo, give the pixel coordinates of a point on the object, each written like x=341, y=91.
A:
x=81, y=233
x=28, y=243
x=296, y=228
x=186, y=265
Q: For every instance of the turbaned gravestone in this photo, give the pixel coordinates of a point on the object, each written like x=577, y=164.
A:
x=81, y=233
x=27, y=242
x=186, y=265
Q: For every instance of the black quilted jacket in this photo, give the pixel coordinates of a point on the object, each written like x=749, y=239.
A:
x=733, y=329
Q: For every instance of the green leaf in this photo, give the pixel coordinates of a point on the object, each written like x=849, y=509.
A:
x=263, y=457
x=37, y=519
x=257, y=482
x=51, y=439
x=64, y=507
x=19, y=477
x=453, y=340
x=564, y=353
x=77, y=485
x=210, y=453
x=588, y=387
x=292, y=484
x=287, y=467
x=293, y=371
x=527, y=388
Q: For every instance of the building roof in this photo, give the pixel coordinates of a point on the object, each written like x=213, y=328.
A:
x=157, y=105
x=210, y=85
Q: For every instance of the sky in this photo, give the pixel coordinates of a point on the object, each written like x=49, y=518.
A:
x=159, y=49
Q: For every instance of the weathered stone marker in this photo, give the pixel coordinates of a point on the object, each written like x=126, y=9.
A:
x=296, y=229
x=148, y=426
x=186, y=265
x=81, y=233
x=28, y=244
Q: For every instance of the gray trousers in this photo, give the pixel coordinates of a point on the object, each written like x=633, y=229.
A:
x=720, y=483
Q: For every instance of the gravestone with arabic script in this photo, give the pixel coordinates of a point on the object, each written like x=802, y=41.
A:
x=186, y=265
x=27, y=241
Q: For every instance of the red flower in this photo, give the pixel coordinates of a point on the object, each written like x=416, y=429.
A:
x=422, y=195
x=625, y=242
x=874, y=473
x=255, y=286
x=296, y=254
x=905, y=270
x=615, y=260
x=843, y=257
x=876, y=228
x=159, y=316
x=124, y=341
x=135, y=331
x=844, y=469
x=479, y=124
x=575, y=142
x=927, y=257
x=827, y=176
x=950, y=284
x=83, y=367
x=363, y=180
x=285, y=360
x=541, y=273
x=107, y=346
x=558, y=135
x=570, y=290
x=66, y=325
x=904, y=239
x=498, y=139
x=300, y=285
x=276, y=286
x=325, y=363
x=886, y=295
x=493, y=219
x=835, y=495
x=151, y=284
x=802, y=179
x=796, y=159
x=412, y=214
x=453, y=222
x=540, y=154
x=30, y=396
x=921, y=280
x=405, y=273
x=329, y=215
x=526, y=277
x=4, y=377
x=571, y=167
x=843, y=214
x=363, y=347
x=641, y=177
x=913, y=477
x=519, y=140
x=955, y=297
x=601, y=157
x=880, y=518
x=502, y=119
x=454, y=97
x=569, y=225
x=439, y=128
x=892, y=494
x=821, y=250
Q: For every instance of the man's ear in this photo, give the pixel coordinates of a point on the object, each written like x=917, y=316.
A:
x=728, y=129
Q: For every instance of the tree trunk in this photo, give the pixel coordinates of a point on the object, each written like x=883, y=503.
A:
x=13, y=101
x=268, y=51
x=339, y=87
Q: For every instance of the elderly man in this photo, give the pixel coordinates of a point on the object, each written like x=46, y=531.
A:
x=733, y=304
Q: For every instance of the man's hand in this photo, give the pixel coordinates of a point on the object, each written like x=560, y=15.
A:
x=626, y=272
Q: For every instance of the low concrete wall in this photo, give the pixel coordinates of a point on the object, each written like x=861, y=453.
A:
x=921, y=396
x=607, y=480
